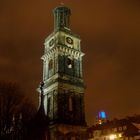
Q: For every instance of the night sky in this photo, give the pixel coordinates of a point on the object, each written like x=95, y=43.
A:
x=110, y=33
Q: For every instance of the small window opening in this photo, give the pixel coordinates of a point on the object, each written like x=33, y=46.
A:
x=50, y=64
x=70, y=63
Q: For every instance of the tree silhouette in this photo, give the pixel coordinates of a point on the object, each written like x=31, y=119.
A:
x=15, y=109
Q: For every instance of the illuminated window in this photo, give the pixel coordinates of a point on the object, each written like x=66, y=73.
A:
x=119, y=135
x=120, y=128
x=69, y=63
x=115, y=129
x=112, y=137
x=124, y=127
x=70, y=104
x=50, y=64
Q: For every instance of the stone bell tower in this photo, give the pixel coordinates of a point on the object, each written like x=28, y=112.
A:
x=63, y=88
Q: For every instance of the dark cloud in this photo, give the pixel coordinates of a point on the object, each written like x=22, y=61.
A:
x=110, y=35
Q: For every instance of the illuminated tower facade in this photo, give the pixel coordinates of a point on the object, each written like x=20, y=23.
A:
x=63, y=88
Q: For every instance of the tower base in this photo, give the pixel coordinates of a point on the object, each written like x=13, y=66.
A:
x=67, y=132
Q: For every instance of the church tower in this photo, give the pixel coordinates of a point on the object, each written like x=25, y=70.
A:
x=63, y=86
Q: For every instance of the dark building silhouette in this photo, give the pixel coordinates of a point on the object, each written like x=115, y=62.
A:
x=117, y=129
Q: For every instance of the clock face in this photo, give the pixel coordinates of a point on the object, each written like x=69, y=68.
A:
x=51, y=42
x=69, y=40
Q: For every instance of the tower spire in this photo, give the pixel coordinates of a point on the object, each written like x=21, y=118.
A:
x=61, y=17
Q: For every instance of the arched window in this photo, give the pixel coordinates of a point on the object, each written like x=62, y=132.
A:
x=69, y=63
x=50, y=64
x=48, y=105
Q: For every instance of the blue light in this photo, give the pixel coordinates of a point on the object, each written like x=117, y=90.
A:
x=102, y=115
